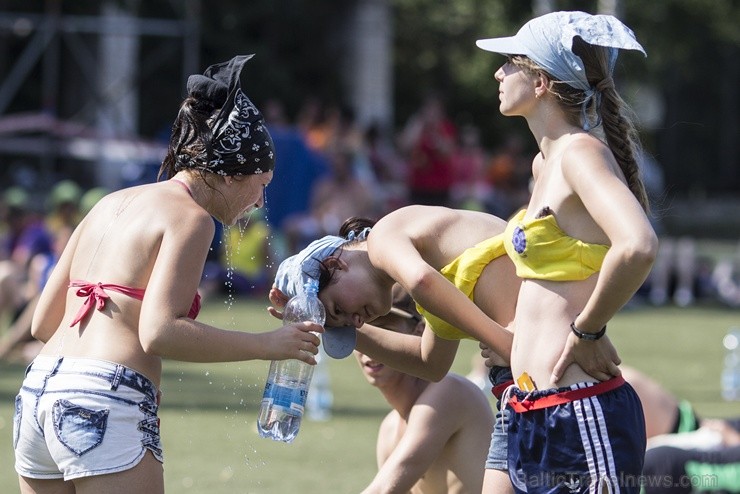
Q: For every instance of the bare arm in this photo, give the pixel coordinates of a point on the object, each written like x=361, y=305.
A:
x=51, y=303
x=440, y=297
x=397, y=255
x=633, y=249
x=166, y=331
x=616, y=211
x=427, y=356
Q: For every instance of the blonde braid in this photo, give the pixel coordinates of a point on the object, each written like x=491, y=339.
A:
x=623, y=140
x=616, y=117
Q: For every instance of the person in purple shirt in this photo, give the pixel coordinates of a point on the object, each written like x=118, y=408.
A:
x=25, y=237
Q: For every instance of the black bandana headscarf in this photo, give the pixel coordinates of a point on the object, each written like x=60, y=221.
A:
x=241, y=144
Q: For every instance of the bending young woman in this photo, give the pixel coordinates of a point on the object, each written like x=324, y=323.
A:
x=453, y=264
x=124, y=295
x=583, y=246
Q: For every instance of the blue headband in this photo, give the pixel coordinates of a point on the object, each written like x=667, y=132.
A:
x=295, y=271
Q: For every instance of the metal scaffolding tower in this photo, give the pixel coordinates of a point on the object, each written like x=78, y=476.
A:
x=101, y=131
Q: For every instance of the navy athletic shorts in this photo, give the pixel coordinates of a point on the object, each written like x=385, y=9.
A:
x=581, y=439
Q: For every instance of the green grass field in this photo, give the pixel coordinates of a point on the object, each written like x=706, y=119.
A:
x=209, y=411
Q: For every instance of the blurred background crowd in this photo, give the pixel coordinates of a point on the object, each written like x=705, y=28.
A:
x=372, y=105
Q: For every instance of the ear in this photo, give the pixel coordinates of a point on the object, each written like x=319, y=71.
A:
x=333, y=262
x=541, y=85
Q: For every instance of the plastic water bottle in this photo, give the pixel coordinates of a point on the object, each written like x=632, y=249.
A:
x=288, y=381
x=731, y=371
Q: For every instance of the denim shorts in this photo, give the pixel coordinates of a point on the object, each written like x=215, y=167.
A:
x=498, y=452
x=81, y=417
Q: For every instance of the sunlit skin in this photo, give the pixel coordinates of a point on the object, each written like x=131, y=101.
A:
x=410, y=246
x=147, y=210
x=356, y=295
x=243, y=195
x=515, y=89
x=426, y=443
x=376, y=373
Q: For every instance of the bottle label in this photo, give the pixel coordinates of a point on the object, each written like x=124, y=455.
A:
x=286, y=397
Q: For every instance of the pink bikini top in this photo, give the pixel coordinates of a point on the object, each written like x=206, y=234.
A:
x=95, y=296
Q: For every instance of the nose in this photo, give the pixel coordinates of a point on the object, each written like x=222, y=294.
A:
x=499, y=74
x=263, y=198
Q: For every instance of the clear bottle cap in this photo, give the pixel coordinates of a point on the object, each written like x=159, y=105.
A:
x=312, y=286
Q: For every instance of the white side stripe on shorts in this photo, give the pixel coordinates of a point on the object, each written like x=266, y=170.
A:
x=596, y=444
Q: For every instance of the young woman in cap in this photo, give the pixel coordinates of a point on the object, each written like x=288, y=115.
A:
x=582, y=246
x=124, y=295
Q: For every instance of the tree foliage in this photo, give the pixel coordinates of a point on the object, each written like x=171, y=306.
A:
x=691, y=73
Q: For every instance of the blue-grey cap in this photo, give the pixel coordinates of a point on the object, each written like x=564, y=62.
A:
x=294, y=272
x=548, y=41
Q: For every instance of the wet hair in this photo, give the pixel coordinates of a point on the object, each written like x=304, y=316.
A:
x=352, y=227
x=191, y=134
x=616, y=117
x=355, y=224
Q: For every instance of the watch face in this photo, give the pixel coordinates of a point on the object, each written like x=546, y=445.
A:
x=587, y=336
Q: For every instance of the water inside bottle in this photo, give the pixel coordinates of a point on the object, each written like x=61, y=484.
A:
x=288, y=381
x=279, y=427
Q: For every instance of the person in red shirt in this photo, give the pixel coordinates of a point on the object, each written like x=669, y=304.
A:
x=429, y=140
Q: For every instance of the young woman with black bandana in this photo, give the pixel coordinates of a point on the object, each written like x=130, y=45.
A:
x=124, y=296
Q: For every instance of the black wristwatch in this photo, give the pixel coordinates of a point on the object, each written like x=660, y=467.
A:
x=587, y=336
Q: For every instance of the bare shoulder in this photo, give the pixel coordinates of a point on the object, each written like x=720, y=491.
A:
x=409, y=216
x=406, y=224
x=537, y=164
x=389, y=424
x=417, y=220
x=586, y=152
x=156, y=210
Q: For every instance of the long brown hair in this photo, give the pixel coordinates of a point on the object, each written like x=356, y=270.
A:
x=191, y=135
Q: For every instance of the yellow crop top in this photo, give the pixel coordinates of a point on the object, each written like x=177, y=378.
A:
x=541, y=250
x=464, y=272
